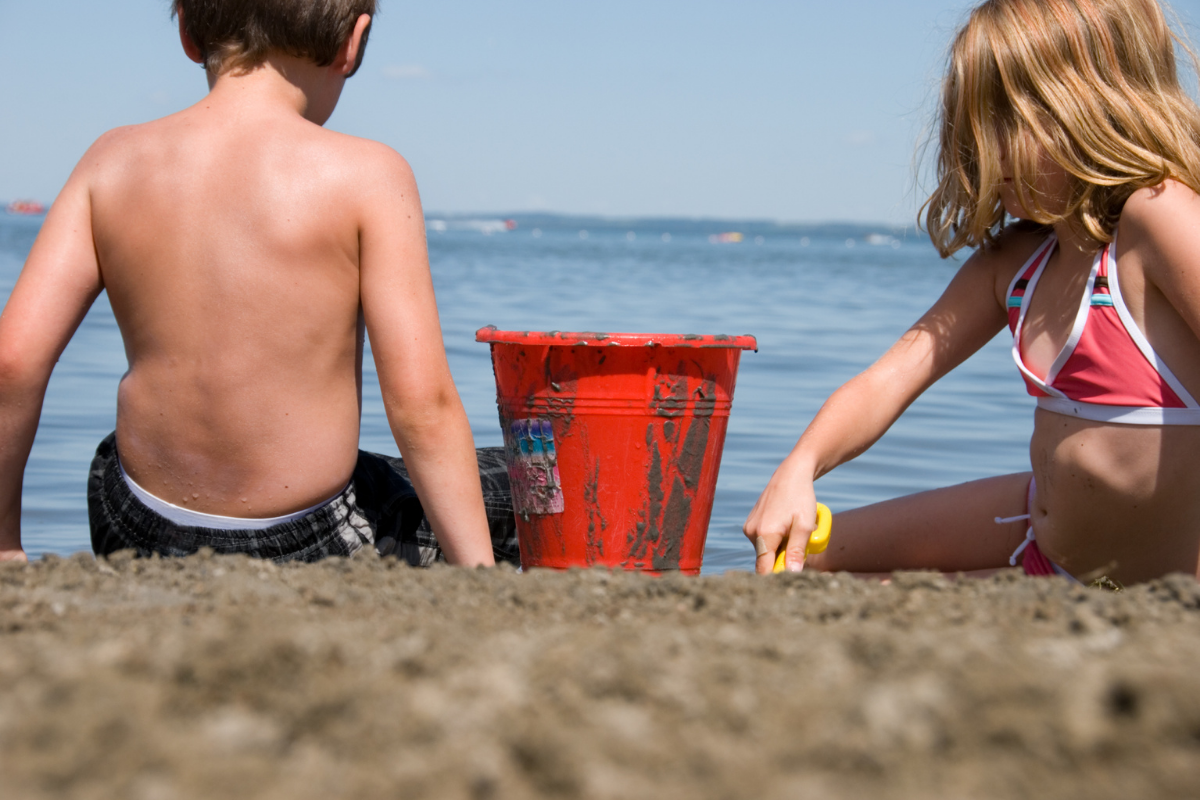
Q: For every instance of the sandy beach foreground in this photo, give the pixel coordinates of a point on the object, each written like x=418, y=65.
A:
x=215, y=676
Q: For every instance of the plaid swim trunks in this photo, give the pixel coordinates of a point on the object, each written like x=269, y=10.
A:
x=378, y=508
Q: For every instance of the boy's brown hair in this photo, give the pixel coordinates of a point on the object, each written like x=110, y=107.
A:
x=238, y=34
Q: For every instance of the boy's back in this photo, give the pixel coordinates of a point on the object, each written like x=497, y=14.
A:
x=244, y=250
x=229, y=250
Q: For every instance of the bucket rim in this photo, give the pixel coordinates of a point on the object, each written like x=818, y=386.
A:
x=493, y=335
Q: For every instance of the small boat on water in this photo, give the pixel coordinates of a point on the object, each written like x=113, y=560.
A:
x=729, y=237
x=25, y=207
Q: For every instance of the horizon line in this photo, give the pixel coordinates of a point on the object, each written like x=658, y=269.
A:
x=692, y=218
x=616, y=218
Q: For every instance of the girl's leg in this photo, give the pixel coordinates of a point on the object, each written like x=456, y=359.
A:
x=952, y=529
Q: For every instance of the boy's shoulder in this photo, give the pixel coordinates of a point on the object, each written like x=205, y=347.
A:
x=375, y=162
x=112, y=147
x=366, y=169
x=374, y=178
x=363, y=167
x=173, y=128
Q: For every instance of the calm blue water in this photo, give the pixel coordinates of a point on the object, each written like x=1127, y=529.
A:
x=824, y=302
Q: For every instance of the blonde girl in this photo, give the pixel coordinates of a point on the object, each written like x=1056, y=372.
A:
x=1070, y=161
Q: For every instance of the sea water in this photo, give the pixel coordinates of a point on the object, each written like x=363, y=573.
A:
x=824, y=302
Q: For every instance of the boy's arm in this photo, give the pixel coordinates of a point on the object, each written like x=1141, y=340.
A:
x=60, y=281
x=423, y=408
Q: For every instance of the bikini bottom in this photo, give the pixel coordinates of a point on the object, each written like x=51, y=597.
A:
x=1033, y=560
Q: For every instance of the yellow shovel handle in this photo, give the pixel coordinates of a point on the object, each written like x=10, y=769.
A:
x=817, y=542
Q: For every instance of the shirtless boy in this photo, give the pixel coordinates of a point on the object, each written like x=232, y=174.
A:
x=244, y=249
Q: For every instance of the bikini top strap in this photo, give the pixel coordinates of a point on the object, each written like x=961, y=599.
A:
x=1034, y=267
x=1021, y=281
x=1109, y=258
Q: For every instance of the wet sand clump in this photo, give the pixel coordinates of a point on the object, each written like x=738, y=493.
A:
x=223, y=676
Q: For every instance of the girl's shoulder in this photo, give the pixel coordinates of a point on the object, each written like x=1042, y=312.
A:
x=1158, y=233
x=1156, y=215
x=1010, y=251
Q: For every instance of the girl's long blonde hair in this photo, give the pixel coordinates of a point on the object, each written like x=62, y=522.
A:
x=1090, y=84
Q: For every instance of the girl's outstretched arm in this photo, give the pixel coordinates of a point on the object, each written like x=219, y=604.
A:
x=968, y=314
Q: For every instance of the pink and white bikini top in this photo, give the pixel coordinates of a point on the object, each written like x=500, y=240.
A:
x=1107, y=371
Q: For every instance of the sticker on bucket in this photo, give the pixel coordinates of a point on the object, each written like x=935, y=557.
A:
x=533, y=467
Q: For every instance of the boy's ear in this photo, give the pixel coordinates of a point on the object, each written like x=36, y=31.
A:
x=350, y=57
x=190, y=48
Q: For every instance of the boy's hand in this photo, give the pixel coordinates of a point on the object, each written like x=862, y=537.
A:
x=786, y=508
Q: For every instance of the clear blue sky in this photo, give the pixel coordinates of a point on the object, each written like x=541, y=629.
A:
x=796, y=110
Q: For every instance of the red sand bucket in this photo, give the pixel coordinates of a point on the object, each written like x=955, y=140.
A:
x=613, y=443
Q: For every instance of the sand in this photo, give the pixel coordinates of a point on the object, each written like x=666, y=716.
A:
x=226, y=677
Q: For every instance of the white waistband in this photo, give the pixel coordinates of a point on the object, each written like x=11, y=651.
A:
x=1126, y=415
x=185, y=516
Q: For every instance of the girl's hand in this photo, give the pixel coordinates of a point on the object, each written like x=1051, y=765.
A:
x=786, y=508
